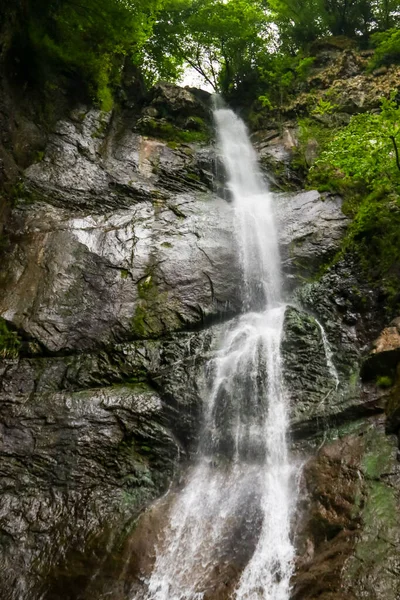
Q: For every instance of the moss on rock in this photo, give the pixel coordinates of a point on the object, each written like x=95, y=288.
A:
x=10, y=342
x=156, y=312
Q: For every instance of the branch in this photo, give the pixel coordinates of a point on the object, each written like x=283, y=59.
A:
x=200, y=71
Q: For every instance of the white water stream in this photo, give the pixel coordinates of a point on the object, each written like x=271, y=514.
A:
x=231, y=522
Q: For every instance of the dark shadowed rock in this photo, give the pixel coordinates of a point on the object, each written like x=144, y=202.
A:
x=73, y=463
x=385, y=354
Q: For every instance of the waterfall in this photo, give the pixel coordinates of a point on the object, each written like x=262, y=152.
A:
x=228, y=530
x=329, y=356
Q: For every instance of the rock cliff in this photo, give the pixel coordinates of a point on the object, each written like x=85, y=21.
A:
x=119, y=271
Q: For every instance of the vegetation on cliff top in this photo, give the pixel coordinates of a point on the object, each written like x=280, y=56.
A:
x=240, y=48
x=360, y=161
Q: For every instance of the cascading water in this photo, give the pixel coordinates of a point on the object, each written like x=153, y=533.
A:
x=231, y=521
x=329, y=356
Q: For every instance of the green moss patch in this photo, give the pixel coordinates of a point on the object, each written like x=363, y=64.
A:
x=155, y=312
x=9, y=341
x=160, y=128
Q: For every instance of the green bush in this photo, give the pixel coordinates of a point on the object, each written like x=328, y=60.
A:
x=387, y=48
x=363, y=151
x=167, y=131
x=87, y=40
x=359, y=162
x=311, y=132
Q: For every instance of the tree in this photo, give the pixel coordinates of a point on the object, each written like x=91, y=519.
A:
x=349, y=17
x=299, y=22
x=386, y=13
x=88, y=38
x=220, y=40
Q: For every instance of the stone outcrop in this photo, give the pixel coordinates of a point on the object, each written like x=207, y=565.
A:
x=351, y=88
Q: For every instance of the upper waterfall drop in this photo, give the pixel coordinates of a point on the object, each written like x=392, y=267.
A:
x=255, y=225
x=238, y=499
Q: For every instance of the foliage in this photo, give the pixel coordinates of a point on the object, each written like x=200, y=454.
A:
x=386, y=13
x=383, y=381
x=278, y=76
x=88, y=39
x=9, y=341
x=364, y=152
x=242, y=49
x=220, y=40
x=349, y=18
x=324, y=107
x=167, y=131
x=359, y=162
x=299, y=23
x=387, y=48
x=311, y=133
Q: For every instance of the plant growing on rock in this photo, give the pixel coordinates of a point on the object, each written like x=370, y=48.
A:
x=9, y=341
x=363, y=151
x=387, y=48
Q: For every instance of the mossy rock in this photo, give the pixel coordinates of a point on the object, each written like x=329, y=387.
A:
x=156, y=312
x=196, y=131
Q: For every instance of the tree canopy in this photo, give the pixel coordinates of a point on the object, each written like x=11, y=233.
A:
x=233, y=44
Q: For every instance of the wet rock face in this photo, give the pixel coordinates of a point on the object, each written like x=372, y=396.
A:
x=87, y=442
x=121, y=263
x=72, y=464
x=110, y=225
x=349, y=541
x=76, y=281
x=312, y=226
x=276, y=150
x=115, y=238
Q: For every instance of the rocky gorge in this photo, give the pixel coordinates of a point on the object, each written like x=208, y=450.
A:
x=119, y=271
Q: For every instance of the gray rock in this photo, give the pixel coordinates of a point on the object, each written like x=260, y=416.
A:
x=312, y=226
x=73, y=464
x=122, y=260
x=86, y=442
x=75, y=280
x=113, y=242
x=321, y=373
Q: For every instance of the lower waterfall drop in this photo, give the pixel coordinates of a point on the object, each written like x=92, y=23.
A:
x=228, y=533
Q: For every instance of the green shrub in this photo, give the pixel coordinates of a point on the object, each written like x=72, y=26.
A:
x=359, y=162
x=167, y=131
x=387, y=48
x=86, y=42
x=310, y=131
x=324, y=107
x=9, y=341
x=363, y=151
